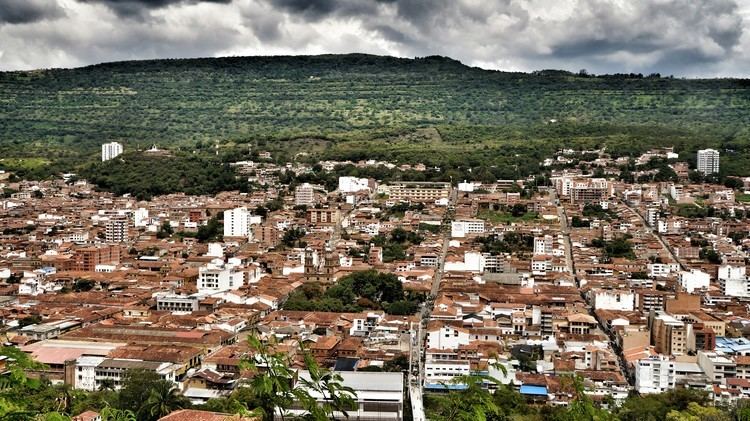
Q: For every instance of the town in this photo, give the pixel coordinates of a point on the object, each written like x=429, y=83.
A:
x=628, y=273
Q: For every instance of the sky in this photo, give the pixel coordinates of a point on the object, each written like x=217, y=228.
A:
x=687, y=38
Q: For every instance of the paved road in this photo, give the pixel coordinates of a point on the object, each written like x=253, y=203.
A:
x=416, y=372
x=656, y=234
x=563, y=218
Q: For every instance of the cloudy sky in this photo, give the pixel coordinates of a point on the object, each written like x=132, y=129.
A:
x=680, y=37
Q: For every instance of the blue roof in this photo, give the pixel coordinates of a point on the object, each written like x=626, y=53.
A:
x=528, y=389
x=732, y=345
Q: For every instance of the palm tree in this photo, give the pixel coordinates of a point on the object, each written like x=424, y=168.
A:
x=107, y=384
x=114, y=414
x=162, y=400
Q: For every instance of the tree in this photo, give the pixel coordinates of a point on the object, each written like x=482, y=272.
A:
x=114, y=414
x=30, y=320
x=275, y=388
x=165, y=230
x=474, y=403
x=136, y=389
x=326, y=384
x=402, y=308
x=400, y=363
x=209, y=232
x=163, y=398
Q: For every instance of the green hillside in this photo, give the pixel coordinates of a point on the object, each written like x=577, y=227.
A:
x=431, y=109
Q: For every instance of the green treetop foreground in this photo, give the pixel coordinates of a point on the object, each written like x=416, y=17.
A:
x=433, y=109
x=275, y=389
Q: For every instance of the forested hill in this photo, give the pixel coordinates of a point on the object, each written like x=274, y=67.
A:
x=355, y=100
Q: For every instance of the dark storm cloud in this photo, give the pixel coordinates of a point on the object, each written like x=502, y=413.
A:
x=678, y=33
x=136, y=8
x=319, y=9
x=684, y=37
x=28, y=11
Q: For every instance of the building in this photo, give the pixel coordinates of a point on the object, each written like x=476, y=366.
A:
x=669, y=335
x=694, y=279
x=581, y=189
x=734, y=281
x=86, y=259
x=354, y=184
x=543, y=245
x=314, y=273
x=93, y=372
x=708, y=161
x=304, y=195
x=177, y=302
x=419, y=191
x=116, y=230
x=111, y=150
x=328, y=216
x=219, y=276
x=621, y=300
x=590, y=190
x=238, y=222
x=378, y=396
x=717, y=367
x=140, y=217
x=461, y=228
x=267, y=235
x=655, y=374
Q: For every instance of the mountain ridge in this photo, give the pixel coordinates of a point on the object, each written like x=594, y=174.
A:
x=366, y=105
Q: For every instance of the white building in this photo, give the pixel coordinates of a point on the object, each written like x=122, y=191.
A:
x=466, y=186
x=237, y=222
x=140, y=217
x=733, y=281
x=660, y=270
x=655, y=374
x=693, y=280
x=92, y=372
x=708, y=161
x=614, y=300
x=717, y=367
x=353, y=184
x=304, y=195
x=732, y=272
x=446, y=337
x=111, y=150
x=219, y=276
x=461, y=228
x=116, y=230
x=543, y=245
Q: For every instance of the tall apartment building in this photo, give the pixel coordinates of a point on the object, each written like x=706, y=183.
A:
x=237, y=222
x=670, y=336
x=304, y=195
x=708, y=161
x=655, y=374
x=582, y=189
x=111, y=150
x=591, y=190
x=116, y=230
